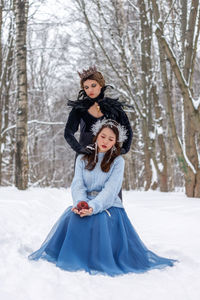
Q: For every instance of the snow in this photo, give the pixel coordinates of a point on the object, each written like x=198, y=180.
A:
x=152, y=135
x=168, y=223
x=159, y=130
x=154, y=172
x=196, y=103
x=160, y=166
x=186, y=157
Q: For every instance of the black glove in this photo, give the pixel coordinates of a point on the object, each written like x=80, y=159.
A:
x=85, y=150
x=122, y=151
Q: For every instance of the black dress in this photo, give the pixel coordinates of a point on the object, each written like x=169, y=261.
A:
x=79, y=116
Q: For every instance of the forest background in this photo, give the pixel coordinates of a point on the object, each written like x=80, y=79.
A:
x=147, y=49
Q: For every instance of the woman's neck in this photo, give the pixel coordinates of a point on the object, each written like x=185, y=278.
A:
x=95, y=110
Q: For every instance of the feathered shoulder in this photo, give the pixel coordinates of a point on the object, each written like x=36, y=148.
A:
x=107, y=100
x=83, y=102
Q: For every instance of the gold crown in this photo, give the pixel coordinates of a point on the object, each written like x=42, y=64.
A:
x=87, y=73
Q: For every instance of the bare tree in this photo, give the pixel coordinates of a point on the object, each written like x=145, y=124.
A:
x=1, y=104
x=21, y=154
x=134, y=71
x=186, y=148
x=146, y=49
x=6, y=63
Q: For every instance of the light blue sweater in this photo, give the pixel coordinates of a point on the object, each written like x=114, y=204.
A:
x=107, y=184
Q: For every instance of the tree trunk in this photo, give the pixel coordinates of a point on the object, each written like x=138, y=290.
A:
x=146, y=75
x=162, y=157
x=190, y=33
x=191, y=178
x=184, y=5
x=1, y=101
x=187, y=150
x=21, y=153
x=147, y=159
x=5, y=75
x=197, y=185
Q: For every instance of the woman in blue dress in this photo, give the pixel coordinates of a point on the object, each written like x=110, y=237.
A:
x=95, y=234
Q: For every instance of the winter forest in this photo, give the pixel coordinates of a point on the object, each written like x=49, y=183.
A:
x=149, y=50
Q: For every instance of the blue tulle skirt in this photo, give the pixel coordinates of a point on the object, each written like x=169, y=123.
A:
x=104, y=243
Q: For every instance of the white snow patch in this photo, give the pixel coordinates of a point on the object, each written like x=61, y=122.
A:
x=196, y=103
x=159, y=130
x=160, y=166
x=186, y=157
x=168, y=224
x=154, y=172
x=152, y=135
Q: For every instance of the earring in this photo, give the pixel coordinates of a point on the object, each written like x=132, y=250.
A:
x=112, y=150
x=95, y=155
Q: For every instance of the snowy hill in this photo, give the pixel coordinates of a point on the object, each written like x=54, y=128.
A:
x=168, y=223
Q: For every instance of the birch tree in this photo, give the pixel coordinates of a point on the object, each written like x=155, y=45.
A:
x=1, y=104
x=21, y=153
x=6, y=63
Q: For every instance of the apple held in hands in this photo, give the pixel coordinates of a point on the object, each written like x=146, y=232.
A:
x=82, y=205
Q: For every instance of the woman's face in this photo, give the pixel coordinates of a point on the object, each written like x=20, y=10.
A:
x=92, y=88
x=106, y=139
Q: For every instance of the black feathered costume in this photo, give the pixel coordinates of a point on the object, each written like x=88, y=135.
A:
x=79, y=115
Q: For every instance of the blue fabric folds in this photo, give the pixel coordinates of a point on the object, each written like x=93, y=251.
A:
x=103, y=243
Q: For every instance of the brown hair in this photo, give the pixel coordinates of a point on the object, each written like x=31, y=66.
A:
x=96, y=76
x=108, y=157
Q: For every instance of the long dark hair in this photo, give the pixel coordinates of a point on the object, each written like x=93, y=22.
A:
x=109, y=156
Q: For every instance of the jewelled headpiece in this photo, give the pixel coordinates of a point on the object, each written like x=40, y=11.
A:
x=121, y=129
x=87, y=73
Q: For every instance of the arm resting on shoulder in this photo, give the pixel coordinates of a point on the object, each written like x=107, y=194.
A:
x=125, y=122
x=71, y=128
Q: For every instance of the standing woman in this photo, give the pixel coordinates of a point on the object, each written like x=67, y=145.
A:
x=93, y=105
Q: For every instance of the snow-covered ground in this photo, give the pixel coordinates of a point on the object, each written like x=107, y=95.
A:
x=168, y=223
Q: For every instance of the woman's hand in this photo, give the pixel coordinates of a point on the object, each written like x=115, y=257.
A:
x=75, y=210
x=85, y=212
x=82, y=212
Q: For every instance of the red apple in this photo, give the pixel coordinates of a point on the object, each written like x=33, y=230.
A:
x=82, y=205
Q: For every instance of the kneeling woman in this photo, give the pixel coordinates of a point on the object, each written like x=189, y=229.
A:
x=95, y=234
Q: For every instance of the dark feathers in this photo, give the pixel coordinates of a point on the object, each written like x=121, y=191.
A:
x=108, y=106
